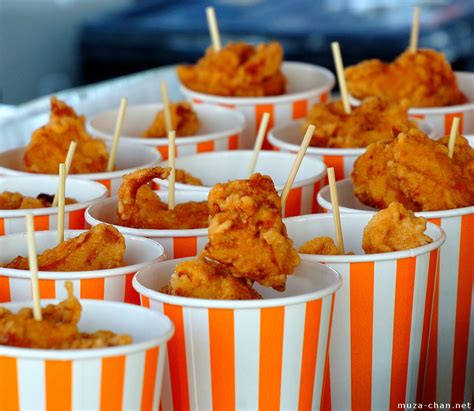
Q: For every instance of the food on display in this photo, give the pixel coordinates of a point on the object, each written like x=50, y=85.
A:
x=15, y=201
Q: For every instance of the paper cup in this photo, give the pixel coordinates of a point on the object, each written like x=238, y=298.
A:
x=85, y=192
x=176, y=243
x=307, y=84
x=287, y=138
x=381, y=315
x=255, y=354
x=129, y=158
x=213, y=168
x=112, y=284
x=450, y=366
x=442, y=117
x=123, y=377
x=220, y=129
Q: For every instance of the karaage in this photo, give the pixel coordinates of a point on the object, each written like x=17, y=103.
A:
x=140, y=207
x=100, y=248
x=15, y=201
x=182, y=176
x=424, y=78
x=49, y=144
x=320, y=246
x=237, y=70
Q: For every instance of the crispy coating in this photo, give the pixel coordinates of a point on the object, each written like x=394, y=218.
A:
x=49, y=144
x=204, y=279
x=394, y=229
x=140, y=207
x=417, y=172
x=182, y=176
x=57, y=330
x=320, y=246
x=15, y=201
x=100, y=248
x=237, y=70
x=184, y=121
x=246, y=232
x=372, y=121
x=424, y=78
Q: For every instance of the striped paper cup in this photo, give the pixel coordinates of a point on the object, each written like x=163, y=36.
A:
x=213, y=168
x=246, y=355
x=129, y=158
x=111, y=284
x=307, y=84
x=220, y=129
x=381, y=315
x=85, y=192
x=450, y=359
x=126, y=377
x=287, y=138
x=442, y=117
x=176, y=243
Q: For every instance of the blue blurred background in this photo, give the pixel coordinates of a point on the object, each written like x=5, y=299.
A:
x=50, y=45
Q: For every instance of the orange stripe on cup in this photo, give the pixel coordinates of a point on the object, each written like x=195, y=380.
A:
x=149, y=378
x=205, y=146
x=41, y=222
x=177, y=359
x=2, y=226
x=463, y=308
x=259, y=111
x=111, y=385
x=271, y=357
x=92, y=288
x=5, y=295
x=338, y=163
x=361, y=329
x=299, y=109
x=233, y=143
x=221, y=340
x=326, y=401
x=314, y=202
x=47, y=289
x=163, y=150
x=184, y=247
x=9, y=398
x=404, y=288
x=58, y=382
x=107, y=184
x=131, y=295
x=310, y=351
x=448, y=121
x=420, y=116
x=145, y=301
x=293, y=202
x=324, y=97
x=77, y=220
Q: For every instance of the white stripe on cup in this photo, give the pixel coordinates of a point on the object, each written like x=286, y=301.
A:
x=133, y=380
x=31, y=384
x=114, y=288
x=20, y=289
x=162, y=355
x=166, y=393
x=469, y=385
x=86, y=376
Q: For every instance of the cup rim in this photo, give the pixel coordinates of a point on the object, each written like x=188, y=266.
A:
x=283, y=98
x=394, y=255
x=82, y=354
x=53, y=210
x=143, y=232
x=180, y=141
x=455, y=212
x=236, y=304
x=83, y=275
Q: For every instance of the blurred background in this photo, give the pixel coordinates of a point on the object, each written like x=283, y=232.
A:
x=52, y=45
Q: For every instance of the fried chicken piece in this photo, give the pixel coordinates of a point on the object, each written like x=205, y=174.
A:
x=100, y=248
x=320, y=246
x=57, y=329
x=246, y=232
x=204, y=279
x=184, y=121
x=372, y=121
x=424, y=78
x=394, y=229
x=417, y=172
x=49, y=144
x=182, y=176
x=140, y=207
x=15, y=201
x=237, y=70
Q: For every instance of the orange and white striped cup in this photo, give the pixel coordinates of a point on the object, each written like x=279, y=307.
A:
x=129, y=158
x=287, y=138
x=220, y=129
x=112, y=284
x=307, y=84
x=84, y=192
x=113, y=378
x=213, y=168
x=442, y=117
x=450, y=358
x=381, y=315
x=176, y=243
x=255, y=354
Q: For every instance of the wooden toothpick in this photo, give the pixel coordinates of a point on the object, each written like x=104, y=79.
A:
x=453, y=135
x=213, y=28
x=33, y=264
x=171, y=164
x=262, y=129
x=335, y=210
x=61, y=201
x=166, y=107
x=117, y=133
x=341, y=78
x=415, y=30
x=69, y=156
